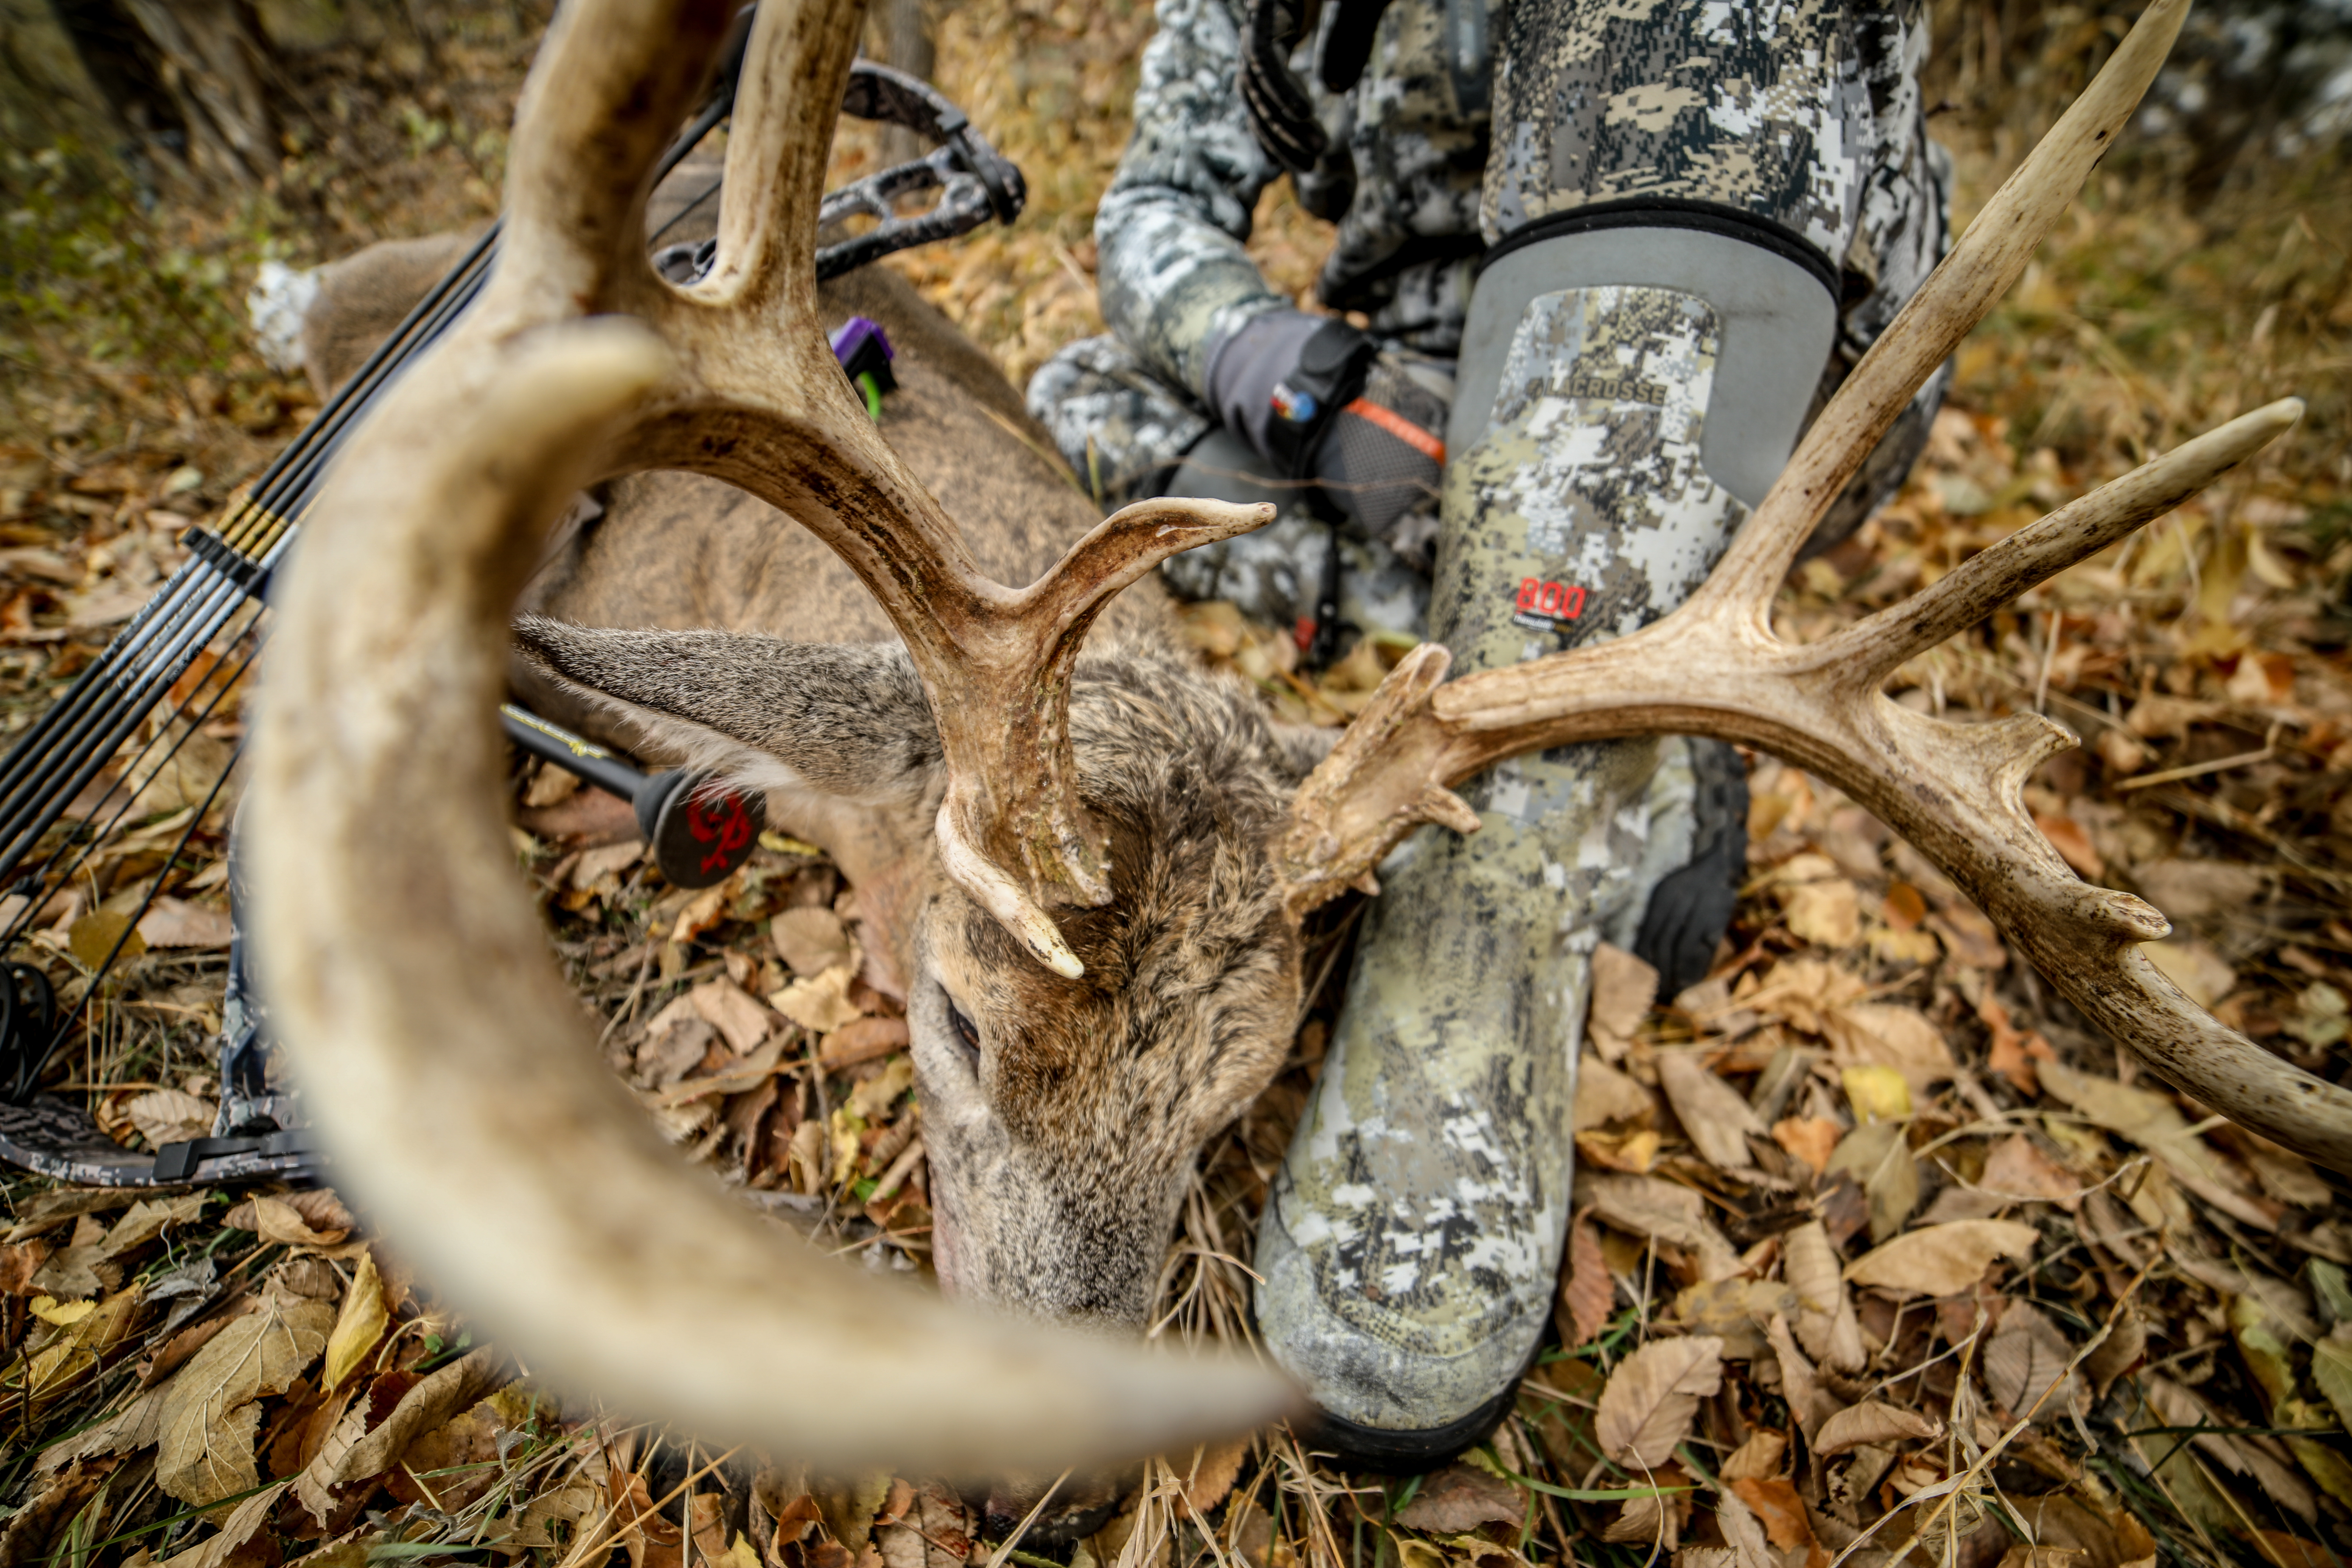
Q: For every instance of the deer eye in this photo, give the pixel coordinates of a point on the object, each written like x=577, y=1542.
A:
x=966, y=1035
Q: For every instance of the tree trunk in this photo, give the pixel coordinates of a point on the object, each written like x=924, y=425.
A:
x=184, y=77
x=899, y=33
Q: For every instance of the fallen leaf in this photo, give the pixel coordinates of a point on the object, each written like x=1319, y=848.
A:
x=1875, y=1422
x=1812, y=1138
x=1778, y=1509
x=358, y=1327
x=872, y=1097
x=1459, y=1498
x=235, y=1532
x=275, y=1219
x=1634, y=1151
x=1826, y=913
x=1715, y=1115
x=206, y=1416
x=821, y=1003
x=1604, y=1095
x=2016, y=1170
x=1889, y=1034
x=1211, y=1474
x=862, y=1040
x=1942, y=1260
x=2331, y=1368
x=171, y=1116
x=2185, y=890
x=2073, y=845
x=174, y=922
x=1759, y=1458
x=1826, y=1320
x=2154, y=1122
x=2203, y=975
x=353, y=1452
x=1623, y=989
x=595, y=864
x=1648, y=1407
x=1645, y=1205
x=1745, y=1533
x=1800, y=1383
x=729, y=1009
x=1877, y=1093
x=149, y=1218
x=1878, y=1157
x=1586, y=1290
x=810, y=941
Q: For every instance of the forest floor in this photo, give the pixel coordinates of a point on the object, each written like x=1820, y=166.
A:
x=1968, y=1286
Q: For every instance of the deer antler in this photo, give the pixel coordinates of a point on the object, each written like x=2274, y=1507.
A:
x=407, y=969
x=1714, y=667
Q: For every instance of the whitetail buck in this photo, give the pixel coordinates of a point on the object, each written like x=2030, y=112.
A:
x=1099, y=856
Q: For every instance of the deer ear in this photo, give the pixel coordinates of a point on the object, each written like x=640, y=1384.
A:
x=846, y=720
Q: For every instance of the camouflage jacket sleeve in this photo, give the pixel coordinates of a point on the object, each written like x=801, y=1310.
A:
x=1174, y=277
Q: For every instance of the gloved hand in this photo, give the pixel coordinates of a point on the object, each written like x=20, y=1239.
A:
x=1360, y=432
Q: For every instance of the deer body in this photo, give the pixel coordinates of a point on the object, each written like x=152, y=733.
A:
x=1060, y=1138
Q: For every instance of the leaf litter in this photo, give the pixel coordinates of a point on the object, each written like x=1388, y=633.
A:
x=1873, y=1243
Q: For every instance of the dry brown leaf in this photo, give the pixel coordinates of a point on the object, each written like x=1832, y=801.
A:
x=1745, y=1533
x=1586, y=1290
x=1648, y=1207
x=1942, y=1260
x=352, y=1451
x=235, y=1532
x=861, y=1040
x=821, y=1003
x=1801, y=1385
x=1623, y=987
x=275, y=1219
x=148, y=1219
x=1459, y=1498
x=1887, y=1033
x=2185, y=890
x=174, y=922
x=1647, y=1408
x=2154, y=1122
x=1873, y=1422
x=2024, y=1361
x=2203, y=975
x=1776, y=1507
x=1759, y=1458
x=1604, y=1095
x=358, y=1327
x=205, y=1417
x=171, y=1116
x=1879, y=1158
x=1715, y=1115
x=810, y=941
x=1826, y=1322
x=1826, y=913
x=2016, y=1170
x=1812, y=1138
x=1211, y=1473
x=1634, y=1152
x=729, y=1009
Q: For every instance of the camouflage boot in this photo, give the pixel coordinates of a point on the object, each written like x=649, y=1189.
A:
x=1408, y=1253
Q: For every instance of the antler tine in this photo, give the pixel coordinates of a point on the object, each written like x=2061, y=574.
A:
x=1947, y=307
x=604, y=95
x=1870, y=650
x=443, y=1059
x=763, y=404
x=1714, y=667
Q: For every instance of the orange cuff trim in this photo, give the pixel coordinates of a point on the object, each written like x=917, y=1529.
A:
x=1398, y=425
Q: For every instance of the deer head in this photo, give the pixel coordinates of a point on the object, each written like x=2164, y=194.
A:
x=1121, y=853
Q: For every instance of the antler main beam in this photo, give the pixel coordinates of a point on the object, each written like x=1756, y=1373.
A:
x=443, y=1058
x=1716, y=667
